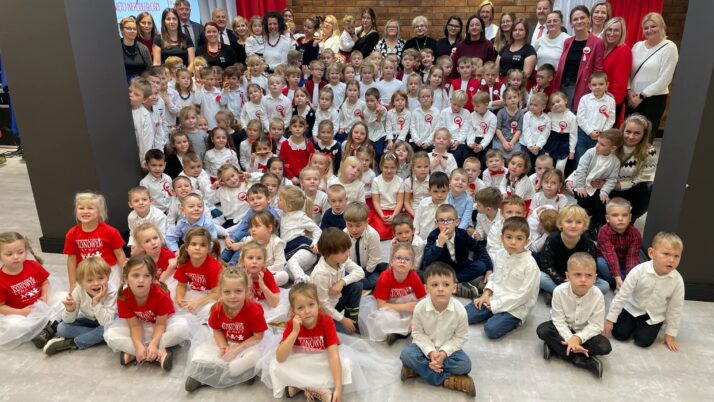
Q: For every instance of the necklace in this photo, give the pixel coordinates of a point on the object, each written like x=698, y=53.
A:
x=129, y=50
x=187, y=96
x=276, y=42
x=213, y=54
x=419, y=47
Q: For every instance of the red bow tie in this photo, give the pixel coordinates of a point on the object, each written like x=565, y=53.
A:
x=262, y=167
x=496, y=172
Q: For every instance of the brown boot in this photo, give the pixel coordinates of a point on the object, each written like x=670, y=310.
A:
x=461, y=383
x=408, y=373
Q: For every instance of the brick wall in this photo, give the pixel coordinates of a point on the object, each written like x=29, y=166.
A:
x=438, y=11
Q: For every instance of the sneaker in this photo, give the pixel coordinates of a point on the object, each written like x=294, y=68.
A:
x=546, y=351
x=251, y=381
x=467, y=290
x=391, y=338
x=56, y=345
x=168, y=360
x=318, y=394
x=408, y=373
x=548, y=299
x=591, y=364
x=192, y=384
x=478, y=282
x=366, y=292
x=461, y=383
x=291, y=392
x=41, y=340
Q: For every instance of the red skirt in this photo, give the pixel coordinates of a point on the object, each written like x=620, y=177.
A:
x=384, y=229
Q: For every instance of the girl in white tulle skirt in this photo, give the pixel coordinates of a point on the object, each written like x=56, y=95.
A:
x=27, y=309
x=197, y=274
x=147, y=329
x=311, y=359
x=227, y=353
x=387, y=314
x=263, y=287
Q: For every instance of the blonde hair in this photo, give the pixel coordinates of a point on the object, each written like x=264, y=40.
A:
x=658, y=20
x=581, y=259
x=146, y=226
x=621, y=21
x=251, y=245
x=669, y=238
x=335, y=25
x=459, y=96
x=295, y=199
x=573, y=212
x=95, y=198
x=350, y=161
x=304, y=289
x=11, y=237
x=92, y=266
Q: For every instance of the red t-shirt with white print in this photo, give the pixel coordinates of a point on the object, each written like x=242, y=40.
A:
x=102, y=242
x=162, y=264
x=248, y=321
x=25, y=288
x=321, y=337
x=204, y=277
x=388, y=288
x=270, y=283
x=157, y=304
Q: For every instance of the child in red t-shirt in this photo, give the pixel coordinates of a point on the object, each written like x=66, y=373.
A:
x=263, y=287
x=146, y=329
x=91, y=236
x=296, y=151
x=24, y=289
x=228, y=352
x=388, y=314
x=149, y=242
x=197, y=273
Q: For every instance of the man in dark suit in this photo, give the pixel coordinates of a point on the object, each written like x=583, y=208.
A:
x=452, y=245
x=192, y=29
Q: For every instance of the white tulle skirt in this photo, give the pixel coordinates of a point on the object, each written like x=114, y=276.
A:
x=17, y=329
x=375, y=323
x=280, y=312
x=202, y=312
x=118, y=336
x=205, y=364
x=363, y=368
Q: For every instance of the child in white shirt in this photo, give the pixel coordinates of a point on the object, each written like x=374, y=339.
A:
x=275, y=103
x=423, y=121
x=536, y=126
x=158, y=182
x=208, y=97
x=483, y=125
x=596, y=113
x=457, y=120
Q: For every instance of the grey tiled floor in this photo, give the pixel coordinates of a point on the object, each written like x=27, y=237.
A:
x=510, y=369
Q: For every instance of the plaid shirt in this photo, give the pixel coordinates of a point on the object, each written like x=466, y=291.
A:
x=615, y=247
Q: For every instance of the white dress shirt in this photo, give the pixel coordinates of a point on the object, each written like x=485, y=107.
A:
x=482, y=126
x=458, y=124
x=370, y=249
x=583, y=316
x=536, y=130
x=297, y=223
x=434, y=331
x=596, y=114
x=154, y=216
x=515, y=284
x=160, y=190
x=324, y=276
x=423, y=124
x=279, y=107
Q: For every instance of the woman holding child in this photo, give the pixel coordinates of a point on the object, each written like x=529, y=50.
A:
x=367, y=34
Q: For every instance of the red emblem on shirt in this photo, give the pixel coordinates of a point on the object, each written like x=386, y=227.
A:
x=458, y=121
x=281, y=110
x=484, y=127
x=358, y=113
x=563, y=125
x=541, y=128
x=167, y=188
x=242, y=196
x=401, y=122
x=218, y=98
x=428, y=118
x=316, y=209
x=514, y=126
x=258, y=115
x=603, y=111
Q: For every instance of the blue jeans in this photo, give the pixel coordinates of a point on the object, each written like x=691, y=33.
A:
x=603, y=271
x=349, y=301
x=497, y=325
x=456, y=364
x=370, y=278
x=584, y=143
x=84, y=331
x=548, y=285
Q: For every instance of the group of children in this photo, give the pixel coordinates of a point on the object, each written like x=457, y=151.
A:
x=305, y=177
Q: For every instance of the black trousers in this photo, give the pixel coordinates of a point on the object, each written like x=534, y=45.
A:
x=638, y=195
x=598, y=345
x=653, y=109
x=628, y=327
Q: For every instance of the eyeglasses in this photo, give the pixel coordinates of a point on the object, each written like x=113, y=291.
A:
x=402, y=259
x=447, y=221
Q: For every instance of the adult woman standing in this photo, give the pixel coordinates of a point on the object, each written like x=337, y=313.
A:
x=172, y=41
x=505, y=26
x=307, y=44
x=618, y=61
x=147, y=31
x=240, y=27
x=601, y=12
x=653, y=62
x=474, y=44
x=330, y=34
x=367, y=33
x=486, y=11
x=519, y=54
x=213, y=51
x=277, y=43
x=582, y=55
x=420, y=40
x=391, y=43
x=638, y=163
x=136, y=55
x=550, y=47
x=452, y=36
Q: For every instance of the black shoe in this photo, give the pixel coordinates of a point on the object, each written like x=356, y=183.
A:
x=56, y=345
x=591, y=364
x=251, y=381
x=192, y=384
x=391, y=338
x=47, y=333
x=546, y=351
x=167, y=363
x=548, y=299
x=467, y=290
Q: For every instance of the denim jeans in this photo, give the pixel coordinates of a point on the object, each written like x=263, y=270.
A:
x=456, y=364
x=584, y=143
x=370, y=278
x=84, y=331
x=547, y=285
x=497, y=325
x=603, y=271
x=349, y=301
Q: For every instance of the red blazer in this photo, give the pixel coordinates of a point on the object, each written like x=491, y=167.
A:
x=471, y=90
x=617, y=65
x=589, y=64
x=310, y=86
